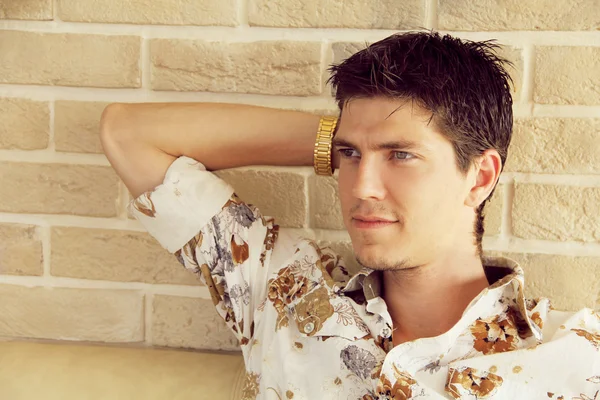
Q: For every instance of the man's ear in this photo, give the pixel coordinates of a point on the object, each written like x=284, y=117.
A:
x=487, y=172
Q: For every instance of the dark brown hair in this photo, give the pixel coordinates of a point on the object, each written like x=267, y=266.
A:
x=463, y=83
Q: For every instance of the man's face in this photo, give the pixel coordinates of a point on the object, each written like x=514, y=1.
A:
x=395, y=166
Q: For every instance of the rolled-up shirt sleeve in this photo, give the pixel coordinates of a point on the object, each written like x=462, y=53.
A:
x=227, y=243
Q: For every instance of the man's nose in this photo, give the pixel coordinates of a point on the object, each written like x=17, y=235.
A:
x=369, y=183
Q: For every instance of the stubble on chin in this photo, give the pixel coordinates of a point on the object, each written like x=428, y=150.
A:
x=383, y=264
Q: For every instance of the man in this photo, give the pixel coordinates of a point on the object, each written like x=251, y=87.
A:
x=425, y=124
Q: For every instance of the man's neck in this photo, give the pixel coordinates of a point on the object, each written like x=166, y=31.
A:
x=429, y=300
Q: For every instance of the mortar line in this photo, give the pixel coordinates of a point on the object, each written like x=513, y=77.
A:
x=123, y=201
x=326, y=59
x=52, y=126
x=507, y=204
x=50, y=156
x=46, y=239
x=256, y=33
x=528, y=75
x=87, y=94
x=242, y=13
x=431, y=15
x=148, y=318
x=47, y=93
x=76, y=221
x=145, y=65
x=55, y=16
x=192, y=291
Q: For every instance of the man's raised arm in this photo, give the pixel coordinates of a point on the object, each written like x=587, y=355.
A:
x=142, y=140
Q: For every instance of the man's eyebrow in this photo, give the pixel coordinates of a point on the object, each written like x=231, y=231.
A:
x=391, y=145
x=341, y=143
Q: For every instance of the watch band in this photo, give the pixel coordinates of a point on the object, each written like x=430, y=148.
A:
x=322, y=154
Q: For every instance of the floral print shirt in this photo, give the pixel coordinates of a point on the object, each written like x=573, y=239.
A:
x=309, y=330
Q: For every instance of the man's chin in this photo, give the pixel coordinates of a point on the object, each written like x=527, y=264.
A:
x=371, y=259
x=376, y=257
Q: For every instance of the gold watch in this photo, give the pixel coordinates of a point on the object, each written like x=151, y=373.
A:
x=322, y=160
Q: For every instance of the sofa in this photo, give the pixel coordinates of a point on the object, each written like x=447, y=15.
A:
x=71, y=370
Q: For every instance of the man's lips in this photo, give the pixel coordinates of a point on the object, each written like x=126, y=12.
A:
x=371, y=222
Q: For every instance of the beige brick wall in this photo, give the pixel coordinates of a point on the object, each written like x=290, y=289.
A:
x=74, y=266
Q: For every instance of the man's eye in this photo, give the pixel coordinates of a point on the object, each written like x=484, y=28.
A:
x=402, y=155
x=348, y=153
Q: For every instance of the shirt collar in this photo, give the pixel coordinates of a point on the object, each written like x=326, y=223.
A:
x=499, y=271
x=503, y=274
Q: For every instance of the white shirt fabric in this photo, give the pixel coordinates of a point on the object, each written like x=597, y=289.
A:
x=309, y=330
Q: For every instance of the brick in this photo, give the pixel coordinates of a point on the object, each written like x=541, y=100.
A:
x=555, y=146
x=25, y=124
x=559, y=213
x=276, y=194
x=113, y=255
x=58, y=189
x=343, y=50
x=491, y=15
x=571, y=283
x=493, y=213
x=20, y=250
x=567, y=75
x=40, y=10
x=68, y=59
x=77, y=126
x=376, y=14
x=515, y=56
x=325, y=208
x=164, y=12
x=112, y=316
x=283, y=68
x=189, y=323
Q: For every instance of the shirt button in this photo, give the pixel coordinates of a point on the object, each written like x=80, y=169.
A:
x=174, y=177
x=386, y=332
x=308, y=328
